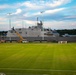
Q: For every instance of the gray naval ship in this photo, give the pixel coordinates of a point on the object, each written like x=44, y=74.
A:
x=34, y=33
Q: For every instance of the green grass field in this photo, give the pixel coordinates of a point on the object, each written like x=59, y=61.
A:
x=38, y=59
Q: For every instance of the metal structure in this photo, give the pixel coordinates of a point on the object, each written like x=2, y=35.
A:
x=43, y=26
x=21, y=38
x=34, y=33
x=9, y=24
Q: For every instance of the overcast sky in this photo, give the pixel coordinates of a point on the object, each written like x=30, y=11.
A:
x=56, y=14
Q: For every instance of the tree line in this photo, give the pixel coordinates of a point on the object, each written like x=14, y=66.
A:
x=67, y=31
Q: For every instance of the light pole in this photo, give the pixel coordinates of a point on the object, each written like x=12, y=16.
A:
x=43, y=26
x=9, y=21
x=10, y=24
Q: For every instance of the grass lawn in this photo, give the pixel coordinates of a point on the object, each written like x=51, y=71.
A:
x=38, y=59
